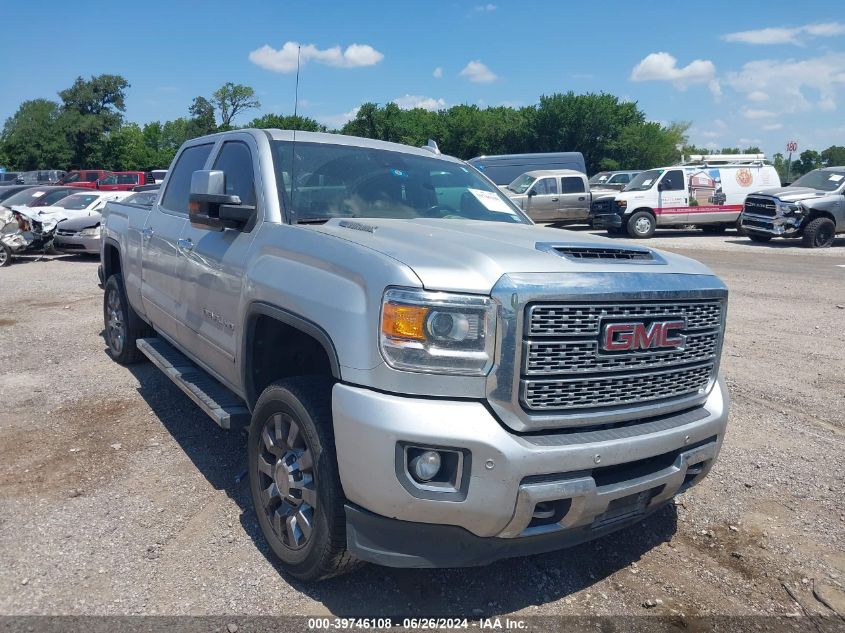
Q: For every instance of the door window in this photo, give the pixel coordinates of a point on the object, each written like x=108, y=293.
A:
x=571, y=184
x=620, y=179
x=545, y=186
x=673, y=180
x=235, y=160
x=179, y=187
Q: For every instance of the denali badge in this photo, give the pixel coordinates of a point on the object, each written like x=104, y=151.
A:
x=628, y=337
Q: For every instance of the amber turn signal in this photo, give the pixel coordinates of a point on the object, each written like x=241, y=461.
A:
x=404, y=321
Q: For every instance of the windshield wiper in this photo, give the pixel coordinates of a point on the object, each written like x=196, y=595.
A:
x=312, y=220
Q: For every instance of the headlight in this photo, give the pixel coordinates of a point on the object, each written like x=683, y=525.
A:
x=622, y=204
x=94, y=231
x=437, y=332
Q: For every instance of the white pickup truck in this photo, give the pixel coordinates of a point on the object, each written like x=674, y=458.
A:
x=429, y=379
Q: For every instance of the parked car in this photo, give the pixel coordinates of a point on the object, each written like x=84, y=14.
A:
x=429, y=378
x=8, y=177
x=35, y=197
x=812, y=208
x=125, y=180
x=80, y=204
x=158, y=175
x=84, y=178
x=6, y=191
x=40, y=176
x=144, y=198
x=611, y=180
x=153, y=187
x=707, y=192
x=560, y=195
x=504, y=168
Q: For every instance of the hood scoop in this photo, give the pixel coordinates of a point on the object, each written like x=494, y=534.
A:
x=580, y=253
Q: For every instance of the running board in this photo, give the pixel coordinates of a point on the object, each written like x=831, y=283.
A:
x=223, y=406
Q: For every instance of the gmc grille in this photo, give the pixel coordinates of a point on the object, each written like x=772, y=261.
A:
x=564, y=367
x=760, y=206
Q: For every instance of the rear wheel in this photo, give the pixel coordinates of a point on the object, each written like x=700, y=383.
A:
x=819, y=233
x=123, y=326
x=294, y=480
x=641, y=225
x=759, y=237
x=5, y=255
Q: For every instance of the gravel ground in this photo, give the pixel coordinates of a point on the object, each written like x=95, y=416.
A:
x=118, y=496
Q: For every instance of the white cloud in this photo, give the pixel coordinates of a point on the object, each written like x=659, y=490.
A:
x=664, y=67
x=338, y=120
x=771, y=127
x=749, y=141
x=438, y=73
x=799, y=84
x=719, y=123
x=484, y=8
x=755, y=114
x=758, y=95
x=409, y=102
x=283, y=60
x=787, y=35
x=478, y=73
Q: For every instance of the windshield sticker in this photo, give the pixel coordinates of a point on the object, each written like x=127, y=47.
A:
x=38, y=194
x=398, y=172
x=491, y=201
x=646, y=183
x=836, y=177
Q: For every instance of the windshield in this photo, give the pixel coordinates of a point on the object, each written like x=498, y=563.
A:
x=320, y=181
x=77, y=201
x=521, y=184
x=821, y=180
x=600, y=178
x=143, y=197
x=644, y=181
x=25, y=197
x=69, y=178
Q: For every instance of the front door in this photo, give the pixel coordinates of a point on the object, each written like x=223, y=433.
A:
x=543, y=200
x=672, y=198
x=161, y=287
x=212, y=268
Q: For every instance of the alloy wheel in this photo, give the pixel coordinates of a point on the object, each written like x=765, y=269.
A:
x=287, y=481
x=116, y=323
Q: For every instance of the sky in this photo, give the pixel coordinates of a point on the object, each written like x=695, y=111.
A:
x=743, y=73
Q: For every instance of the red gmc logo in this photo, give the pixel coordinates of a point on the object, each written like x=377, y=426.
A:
x=628, y=337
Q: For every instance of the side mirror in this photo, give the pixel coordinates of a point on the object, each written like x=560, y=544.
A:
x=531, y=193
x=210, y=207
x=661, y=186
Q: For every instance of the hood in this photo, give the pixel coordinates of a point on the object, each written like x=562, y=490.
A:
x=471, y=256
x=794, y=194
x=53, y=213
x=85, y=222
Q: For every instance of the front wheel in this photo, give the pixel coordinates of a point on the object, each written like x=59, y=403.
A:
x=759, y=237
x=294, y=479
x=641, y=225
x=819, y=233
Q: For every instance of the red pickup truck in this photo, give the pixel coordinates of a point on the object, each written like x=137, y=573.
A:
x=125, y=180
x=84, y=178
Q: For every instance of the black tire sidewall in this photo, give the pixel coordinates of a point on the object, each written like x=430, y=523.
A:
x=814, y=227
x=279, y=398
x=7, y=261
x=115, y=283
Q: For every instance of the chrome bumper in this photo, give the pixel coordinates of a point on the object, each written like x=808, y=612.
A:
x=779, y=226
x=601, y=476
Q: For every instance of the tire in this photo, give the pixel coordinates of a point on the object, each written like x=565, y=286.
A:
x=5, y=255
x=123, y=327
x=759, y=237
x=819, y=233
x=294, y=479
x=739, y=228
x=641, y=225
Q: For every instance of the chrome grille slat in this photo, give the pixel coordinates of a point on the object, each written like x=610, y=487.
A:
x=604, y=391
x=582, y=356
x=760, y=206
x=583, y=320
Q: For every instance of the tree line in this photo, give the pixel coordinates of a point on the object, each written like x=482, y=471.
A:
x=86, y=127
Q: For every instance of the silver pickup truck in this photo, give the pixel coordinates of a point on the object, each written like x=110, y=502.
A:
x=429, y=379
x=811, y=208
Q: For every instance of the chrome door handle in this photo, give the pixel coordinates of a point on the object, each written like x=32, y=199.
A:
x=582, y=198
x=184, y=245
x=554, y=199
x=147, y=232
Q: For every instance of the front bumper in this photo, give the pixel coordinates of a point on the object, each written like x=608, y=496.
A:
x=606, y=221
x=77, y=244
x=596, y=480
x=778, y=226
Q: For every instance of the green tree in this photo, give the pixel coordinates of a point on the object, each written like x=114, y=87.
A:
x=34, y=137
x=231, y=99
x=809, y=160
x=645, y=145
x=202, y=120
x=833, y=156
x=283, y=122
x=92, y=109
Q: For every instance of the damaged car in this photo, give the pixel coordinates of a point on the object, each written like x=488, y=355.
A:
x=26, y=234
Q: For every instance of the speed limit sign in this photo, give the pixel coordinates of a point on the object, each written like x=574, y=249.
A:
x=792, y=146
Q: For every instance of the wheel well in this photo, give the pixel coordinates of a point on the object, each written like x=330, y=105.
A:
x=277, y=350
x=821, y=214
x=646, y=209
x=111, y=261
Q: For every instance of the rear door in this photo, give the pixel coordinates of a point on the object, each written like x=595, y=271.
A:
x=544, y=204
x=574, y=200
x=212, y=266
x=672, y=198
x=161, y=288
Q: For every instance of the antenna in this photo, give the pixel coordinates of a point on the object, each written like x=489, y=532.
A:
x=293, y=144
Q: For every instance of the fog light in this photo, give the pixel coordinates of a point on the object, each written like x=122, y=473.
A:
x=425, y=466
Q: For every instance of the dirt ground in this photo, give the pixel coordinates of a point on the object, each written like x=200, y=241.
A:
x=118, y=496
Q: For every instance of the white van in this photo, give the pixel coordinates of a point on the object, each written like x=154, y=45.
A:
x=707, y=191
